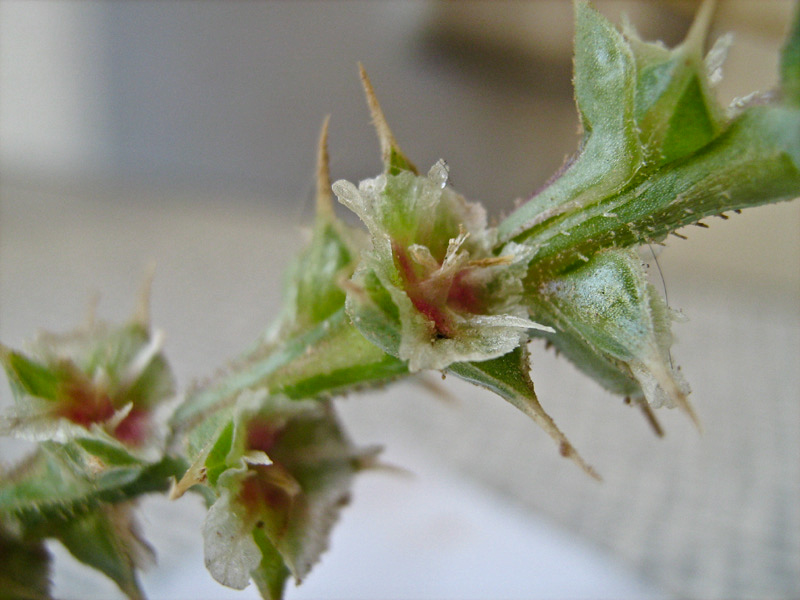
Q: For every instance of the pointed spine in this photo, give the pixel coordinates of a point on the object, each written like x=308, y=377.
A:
x=394, y=161
x=324, y=195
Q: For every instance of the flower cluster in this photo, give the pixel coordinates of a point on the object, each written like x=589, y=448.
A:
x=279, y=471
x=101, y=380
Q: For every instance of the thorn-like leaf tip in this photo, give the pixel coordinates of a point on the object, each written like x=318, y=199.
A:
x=324, y=195
x=649, y=416
x=701, y=25
x=686, y=407
x=393, y=158
x=141, y=314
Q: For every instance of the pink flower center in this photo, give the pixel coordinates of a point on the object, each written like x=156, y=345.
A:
x=134, y=428
x=437, y=299
x=84, y=405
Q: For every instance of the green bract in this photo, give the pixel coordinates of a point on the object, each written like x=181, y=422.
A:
x=673, y=157
x=614, y=325
x=658, y=152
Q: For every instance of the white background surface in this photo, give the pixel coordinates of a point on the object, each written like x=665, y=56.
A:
x=428, y=535
x=710, y=515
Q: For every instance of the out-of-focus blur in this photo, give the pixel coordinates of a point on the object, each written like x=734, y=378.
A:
x=186, y=132
x=231, y=95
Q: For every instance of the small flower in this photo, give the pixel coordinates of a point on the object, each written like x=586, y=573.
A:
x=432, y=251
x=281, y=470
x=100, y=378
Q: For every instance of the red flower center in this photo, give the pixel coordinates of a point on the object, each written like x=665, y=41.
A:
x=435, y=302
x=84, y=405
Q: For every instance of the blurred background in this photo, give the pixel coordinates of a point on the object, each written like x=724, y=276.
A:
x=185, y=132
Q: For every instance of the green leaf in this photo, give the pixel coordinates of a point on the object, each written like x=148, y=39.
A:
x=373, y=312
x=108, y=540
x=314, y=282
x=676, y=111
x=271, y=574
x=46, y=486
x=216, y=461
x=60, y=493
x=690, y=126
x=755, y=161
x=221, y=393
x=696, y=163
x=24, y=568
x=607, y=314
x=108, y=452
x=508, y=376
x=328, y=261
x=341, y=360
x=155, y=477
x=330, y=358
x=602, y=368
x=154, y=384
x=60, y=481
x=605, y=87
x=28, y=377
x=790, y=63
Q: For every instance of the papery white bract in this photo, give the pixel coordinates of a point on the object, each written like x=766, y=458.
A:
x=456, y=299
x=281, y=470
